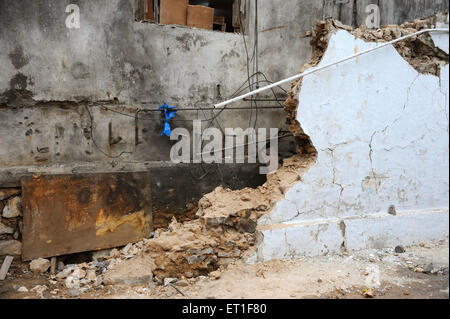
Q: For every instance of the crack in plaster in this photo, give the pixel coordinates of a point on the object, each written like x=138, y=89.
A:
x=334, y=173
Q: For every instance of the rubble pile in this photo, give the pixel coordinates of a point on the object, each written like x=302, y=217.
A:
x=226, y=217
x=224, y=229
x=420, y=51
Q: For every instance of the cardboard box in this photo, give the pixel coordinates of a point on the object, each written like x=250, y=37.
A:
x=200, y=17
x=173, y=12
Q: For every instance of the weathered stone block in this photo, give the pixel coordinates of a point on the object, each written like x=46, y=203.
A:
x=10, y=247
x=8, y=192
x=5, y=229
x=13, y=208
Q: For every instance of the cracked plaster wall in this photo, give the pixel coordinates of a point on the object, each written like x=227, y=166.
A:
x=381, y=131
x=142, y=65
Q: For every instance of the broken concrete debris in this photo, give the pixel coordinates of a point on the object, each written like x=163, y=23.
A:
x=73, y=292
x=39, y=290
x=420, y=51
x=215, y=274
x=399, y=249
x=369, y=293
x=22, y=289
x=101, y=254
x=39, y=265
x=160, y=286
x=428, y=269
x=77, y=276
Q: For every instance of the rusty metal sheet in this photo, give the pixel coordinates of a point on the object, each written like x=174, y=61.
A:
x=65, y=214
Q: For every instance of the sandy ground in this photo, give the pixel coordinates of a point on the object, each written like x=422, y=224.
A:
x=343, y=276
x=366, y=274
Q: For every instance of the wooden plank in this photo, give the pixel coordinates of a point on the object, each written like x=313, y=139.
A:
x=201, y=17
x=236, y=17
x=149, y=12
x=156, y=11
x=219, y=20
x=5, y=267
x=53, y=266
x=173, y=12
x=65, y=214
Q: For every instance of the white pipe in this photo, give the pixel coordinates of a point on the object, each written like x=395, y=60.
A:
x=295, y=77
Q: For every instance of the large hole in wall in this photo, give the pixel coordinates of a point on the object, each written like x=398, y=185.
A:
x=173, y=196
x=176, y=190
x=218, y=15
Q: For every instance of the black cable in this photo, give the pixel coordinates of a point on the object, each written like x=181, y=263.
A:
x=125, y=152
x=215, y=116
x=247, y=57
x=93, y=139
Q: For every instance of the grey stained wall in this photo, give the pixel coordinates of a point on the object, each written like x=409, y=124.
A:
x=54, y=79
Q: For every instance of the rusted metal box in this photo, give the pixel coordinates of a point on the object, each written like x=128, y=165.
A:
x=65, y=214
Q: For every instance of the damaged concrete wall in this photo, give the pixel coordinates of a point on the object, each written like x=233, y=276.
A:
x=141, y=65
x=282, y=26
x=69, y=97
x=49, y=73
x=381, y=132
x=111, y=55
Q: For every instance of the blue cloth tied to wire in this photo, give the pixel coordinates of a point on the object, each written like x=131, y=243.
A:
x=169, y=113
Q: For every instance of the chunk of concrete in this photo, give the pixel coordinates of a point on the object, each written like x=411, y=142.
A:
x=64, y=273
x=74, y=292
x=139, y=272
x=39, y=265
x=101, y=254
x=79, y=273
x=116, y=279
x=72, y=282
x=22, y=289
x=91, y=276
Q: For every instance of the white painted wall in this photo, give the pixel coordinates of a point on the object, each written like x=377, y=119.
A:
x=381, y=131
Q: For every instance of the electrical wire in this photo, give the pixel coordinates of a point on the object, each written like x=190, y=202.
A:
x=91, y=133
x=215, y=117
x=250, y=84
x=319, y=68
